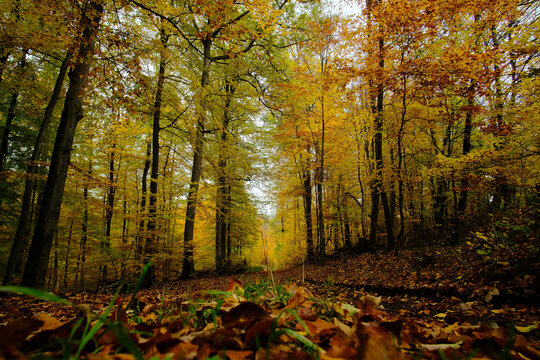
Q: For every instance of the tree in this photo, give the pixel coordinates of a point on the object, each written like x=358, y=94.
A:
x=38, y=256
x=23, y=226
x=151, y=240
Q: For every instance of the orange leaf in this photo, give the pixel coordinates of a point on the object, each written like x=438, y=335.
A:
x=235, y=284
x=238, y=355
x=298, y=298
x=49, y=321
x=342, y=347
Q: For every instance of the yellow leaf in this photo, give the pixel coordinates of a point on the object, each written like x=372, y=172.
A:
x=526, y=329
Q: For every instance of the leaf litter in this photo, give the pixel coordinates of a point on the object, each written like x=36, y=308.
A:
x=372, y=306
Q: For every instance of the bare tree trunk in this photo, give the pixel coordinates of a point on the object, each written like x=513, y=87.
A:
x=38, y=256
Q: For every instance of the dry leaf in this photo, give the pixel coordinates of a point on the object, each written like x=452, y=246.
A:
x=368, y=303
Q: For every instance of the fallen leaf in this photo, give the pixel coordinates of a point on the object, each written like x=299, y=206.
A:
x=442, y=347
x=319, y=326
x=17, y=331
x=342, y=347
x=490, y=294
x=306, y=313
x=368, y=303
x=49, y=321
x=259, y=329
x=238, y=355
x=347, y=330
x=375, y=343
x=298, y=298
x=184, y=351
x=350, y=309
x=526, y=329
x=235, y=285
x=244, y=315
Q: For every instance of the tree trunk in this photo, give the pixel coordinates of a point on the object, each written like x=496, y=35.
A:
x=81, y=258
x=10, y=116
x=463, y=194
x=377, y=189
x=55, y=263
x=68, y=253
x=141, y=234
x=222, y=205
x=503, y=188
x=125, y=233
x=23, y=228
x=188, y=264
x=151, y=239
x=38, y=256
x=109, y=211
x=307, y=197
x=319, y=174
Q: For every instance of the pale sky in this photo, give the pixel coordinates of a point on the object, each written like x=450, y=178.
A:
x=343, y=7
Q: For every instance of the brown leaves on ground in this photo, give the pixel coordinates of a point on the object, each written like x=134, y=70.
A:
x=364, y=307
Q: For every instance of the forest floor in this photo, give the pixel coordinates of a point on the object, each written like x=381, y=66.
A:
x=477, y=300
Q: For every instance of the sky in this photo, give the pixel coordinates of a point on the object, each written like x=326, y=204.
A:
x=343, y=7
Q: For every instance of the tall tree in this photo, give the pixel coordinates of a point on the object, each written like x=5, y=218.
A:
x=223, y=200
x=151, y=239
x=38, y=256
x=23, y=227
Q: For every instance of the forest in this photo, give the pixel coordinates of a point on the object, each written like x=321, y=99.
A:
x=147, y=143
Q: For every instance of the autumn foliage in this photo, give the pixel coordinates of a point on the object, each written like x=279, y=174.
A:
x=206, y=138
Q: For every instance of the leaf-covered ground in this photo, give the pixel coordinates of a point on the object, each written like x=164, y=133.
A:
x=475, y=301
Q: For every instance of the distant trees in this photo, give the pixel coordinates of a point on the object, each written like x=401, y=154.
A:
x=422, y=98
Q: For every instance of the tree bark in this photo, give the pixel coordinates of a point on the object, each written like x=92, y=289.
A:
x=503, y=188
x=23, y=227
x=81, y=258
x=307, y=197
x=377, y=189
x=188, y=264
x=38, y=256
x=109, y=211
x=463, y=194
x=321, y=241
x=141, y=234
x=151, y=239
x=223, y=247
x=68, y=253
